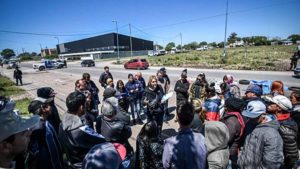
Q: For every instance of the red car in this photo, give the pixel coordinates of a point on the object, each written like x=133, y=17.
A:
x=136, y=64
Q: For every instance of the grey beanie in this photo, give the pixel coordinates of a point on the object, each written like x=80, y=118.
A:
x=108, y=108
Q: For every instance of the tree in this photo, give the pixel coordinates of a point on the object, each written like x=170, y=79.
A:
x=160, y=47
x=221, y=45
x=7, y=53
x=294, y=38
x=170, y=46
x=202, y=43
x=33, y=54
x=232, y=37
x=193, y=45
x=213, y=44
x=178, y=47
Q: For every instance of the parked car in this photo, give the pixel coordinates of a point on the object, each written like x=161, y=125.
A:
x=12, y=65
x=136, y=64
x=87, y=63
x=297, y=71
x=43, y=65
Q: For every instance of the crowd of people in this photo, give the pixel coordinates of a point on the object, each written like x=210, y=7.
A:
x=218, y=127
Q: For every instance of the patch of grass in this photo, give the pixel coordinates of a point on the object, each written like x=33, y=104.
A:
x=22, y=106
x=8, y=88
x=254, y=57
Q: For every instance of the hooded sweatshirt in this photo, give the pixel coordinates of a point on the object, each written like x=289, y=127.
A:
x=216, y=138
x=212, y=108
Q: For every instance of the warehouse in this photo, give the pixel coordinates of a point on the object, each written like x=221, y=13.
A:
x=104, y=46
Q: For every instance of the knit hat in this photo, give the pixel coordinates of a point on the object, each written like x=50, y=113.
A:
x=235, y=104
x=104, y=156
x=282, y=101
x=254, y=109
x=184, y=73
x=45, y=92
x=110, y=107
x=109, y=92
x=253, y=88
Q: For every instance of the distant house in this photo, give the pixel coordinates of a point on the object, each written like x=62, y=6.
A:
x=287, y=43
x=237, y=44
x=46, y=52
x=274, y=43
x=298, y=42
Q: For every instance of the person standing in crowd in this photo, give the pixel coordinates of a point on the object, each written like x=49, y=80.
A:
x=49, y=93
x=123, y=96
x=197, y=90
x=149, y=147
x=141, y=80
x=164, y=81
x=295, y=113
x=234, y=88
x=235, y=123
x=181, y=88
x=264, y=146
x=216, y=141
x=280, y=107
x=152, y=100
x=44, y=150
x=187, y=149
x=110, y=96
x=212, y=104
x=253, y=92
x=277, y=88
x=133, y=87
x=104, y=76
x=76, y=137
x=18, y=76
x=15, y=133
x=91, y=86
x=199, y=116
x=294, y=60
x=110, y=83
x=113, y=129
x=80, y=85
x=104, y=156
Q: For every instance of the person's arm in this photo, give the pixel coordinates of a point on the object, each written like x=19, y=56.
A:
x=101, y=80
x=167, y=156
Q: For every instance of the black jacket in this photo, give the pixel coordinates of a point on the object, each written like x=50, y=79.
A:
x=44, y=150
x=103, y=77
x=181, y=89
x=154, y=97
x=149, y=154
x=77, y=139
x=288, y=130
x=113, y=130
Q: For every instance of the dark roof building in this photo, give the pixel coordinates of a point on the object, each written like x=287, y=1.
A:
x=104, y=45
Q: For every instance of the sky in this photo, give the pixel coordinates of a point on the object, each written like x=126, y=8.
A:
x=28, y=25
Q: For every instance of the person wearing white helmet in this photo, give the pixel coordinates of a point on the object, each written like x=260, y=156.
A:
x=281, y=107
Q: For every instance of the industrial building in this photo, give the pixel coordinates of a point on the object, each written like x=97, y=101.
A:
x=104, y=46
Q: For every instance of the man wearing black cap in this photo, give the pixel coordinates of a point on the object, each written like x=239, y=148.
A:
x=48, y=93
x=164, y=80
x=104, y=76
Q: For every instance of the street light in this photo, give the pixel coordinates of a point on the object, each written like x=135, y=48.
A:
x=117, y=40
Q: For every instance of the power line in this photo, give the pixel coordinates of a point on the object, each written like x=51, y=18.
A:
x=165, y=38
x=49, y=34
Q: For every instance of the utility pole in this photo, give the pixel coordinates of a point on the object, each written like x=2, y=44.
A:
x=41, y=51
x=130, y=40
x=180, y=42
x=224, y=54
x=117, y=40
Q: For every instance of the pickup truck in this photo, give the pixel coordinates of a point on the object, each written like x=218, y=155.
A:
x=47, y=64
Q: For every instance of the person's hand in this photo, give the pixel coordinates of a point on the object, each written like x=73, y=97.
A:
x=131, y=91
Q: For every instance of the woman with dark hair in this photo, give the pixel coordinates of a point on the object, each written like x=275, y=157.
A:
x=134, y=88
x=123, y=96
x=149, y=147
x=152, y=100
x=212, y=103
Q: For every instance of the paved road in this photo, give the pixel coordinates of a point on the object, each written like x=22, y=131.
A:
x=62, y=81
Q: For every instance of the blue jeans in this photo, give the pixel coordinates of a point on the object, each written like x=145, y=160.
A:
x=135, y=108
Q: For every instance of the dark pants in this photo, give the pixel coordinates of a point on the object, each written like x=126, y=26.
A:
x=293, y=65
x=166, y=112
x=17, y=81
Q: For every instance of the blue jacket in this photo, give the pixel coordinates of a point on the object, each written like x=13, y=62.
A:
x=133, y=86
x=212, y=108
x=185, y=150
